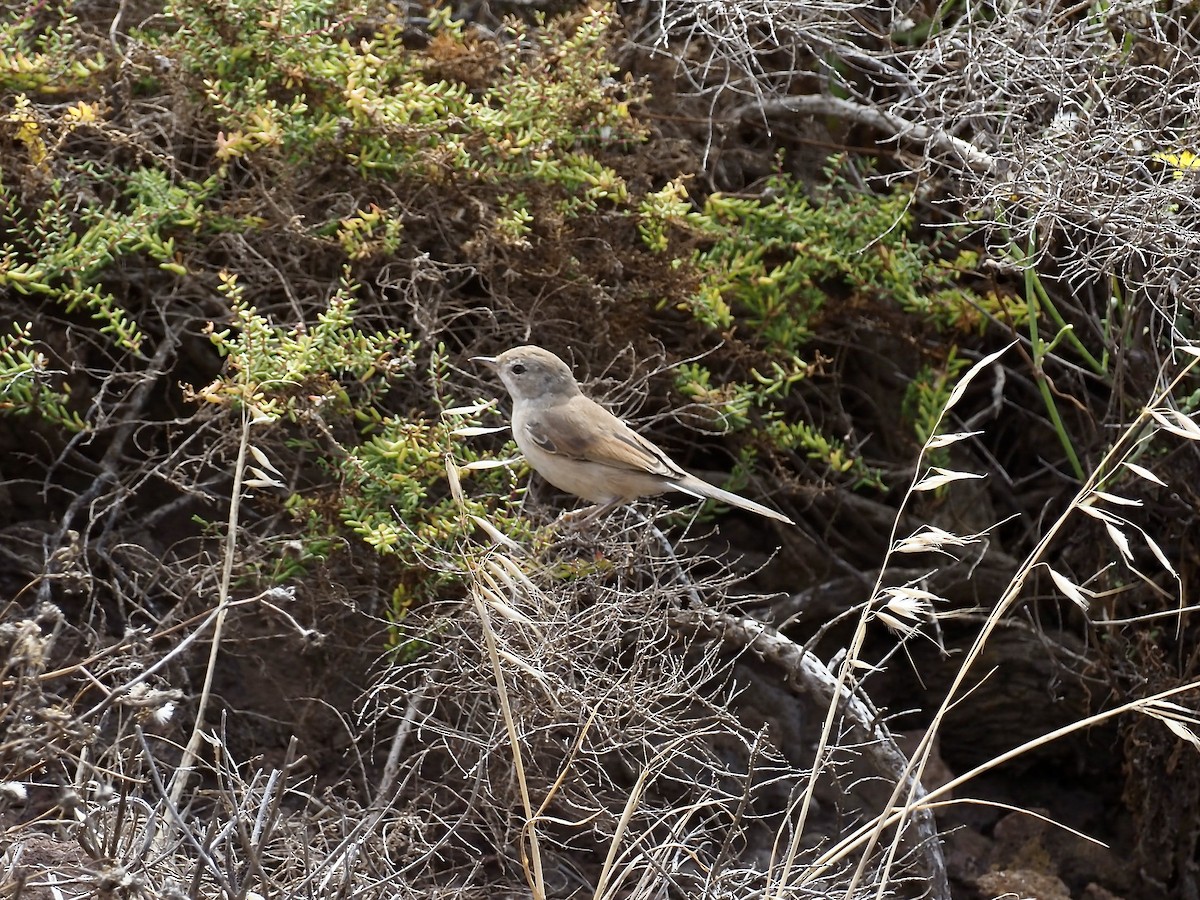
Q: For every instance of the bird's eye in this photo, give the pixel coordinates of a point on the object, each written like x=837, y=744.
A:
x=518, y=369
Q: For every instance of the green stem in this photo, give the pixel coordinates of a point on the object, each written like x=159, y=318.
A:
x=1034, y=283
x=1040, y=349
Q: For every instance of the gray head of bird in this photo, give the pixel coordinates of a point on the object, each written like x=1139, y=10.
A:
x=531, y=373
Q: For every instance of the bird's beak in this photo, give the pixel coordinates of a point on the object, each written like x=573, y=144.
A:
x=491, y=362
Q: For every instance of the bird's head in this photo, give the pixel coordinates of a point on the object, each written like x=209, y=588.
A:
x=531, y=373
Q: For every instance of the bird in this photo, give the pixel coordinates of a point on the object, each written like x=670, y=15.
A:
x=580, y=447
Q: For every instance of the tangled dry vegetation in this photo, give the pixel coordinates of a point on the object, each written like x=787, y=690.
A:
x=283, y=618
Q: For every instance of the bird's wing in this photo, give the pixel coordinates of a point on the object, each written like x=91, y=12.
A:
x=583, y=429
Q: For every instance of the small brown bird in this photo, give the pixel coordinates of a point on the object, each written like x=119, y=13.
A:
x=580, y=447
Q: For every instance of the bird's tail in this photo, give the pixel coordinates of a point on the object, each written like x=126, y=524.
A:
x=705, y=491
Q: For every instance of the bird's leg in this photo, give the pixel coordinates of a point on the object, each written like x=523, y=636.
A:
x=578, y=518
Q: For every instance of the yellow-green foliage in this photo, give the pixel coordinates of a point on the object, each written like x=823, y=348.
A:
x=770, y=267
x=49, y=62
x=391, y=479
x=286, y=81
x=25, y=381
x=288, y=373
x=751, y=407
x=63, y=247
x=926, y=398
x=288, y=84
